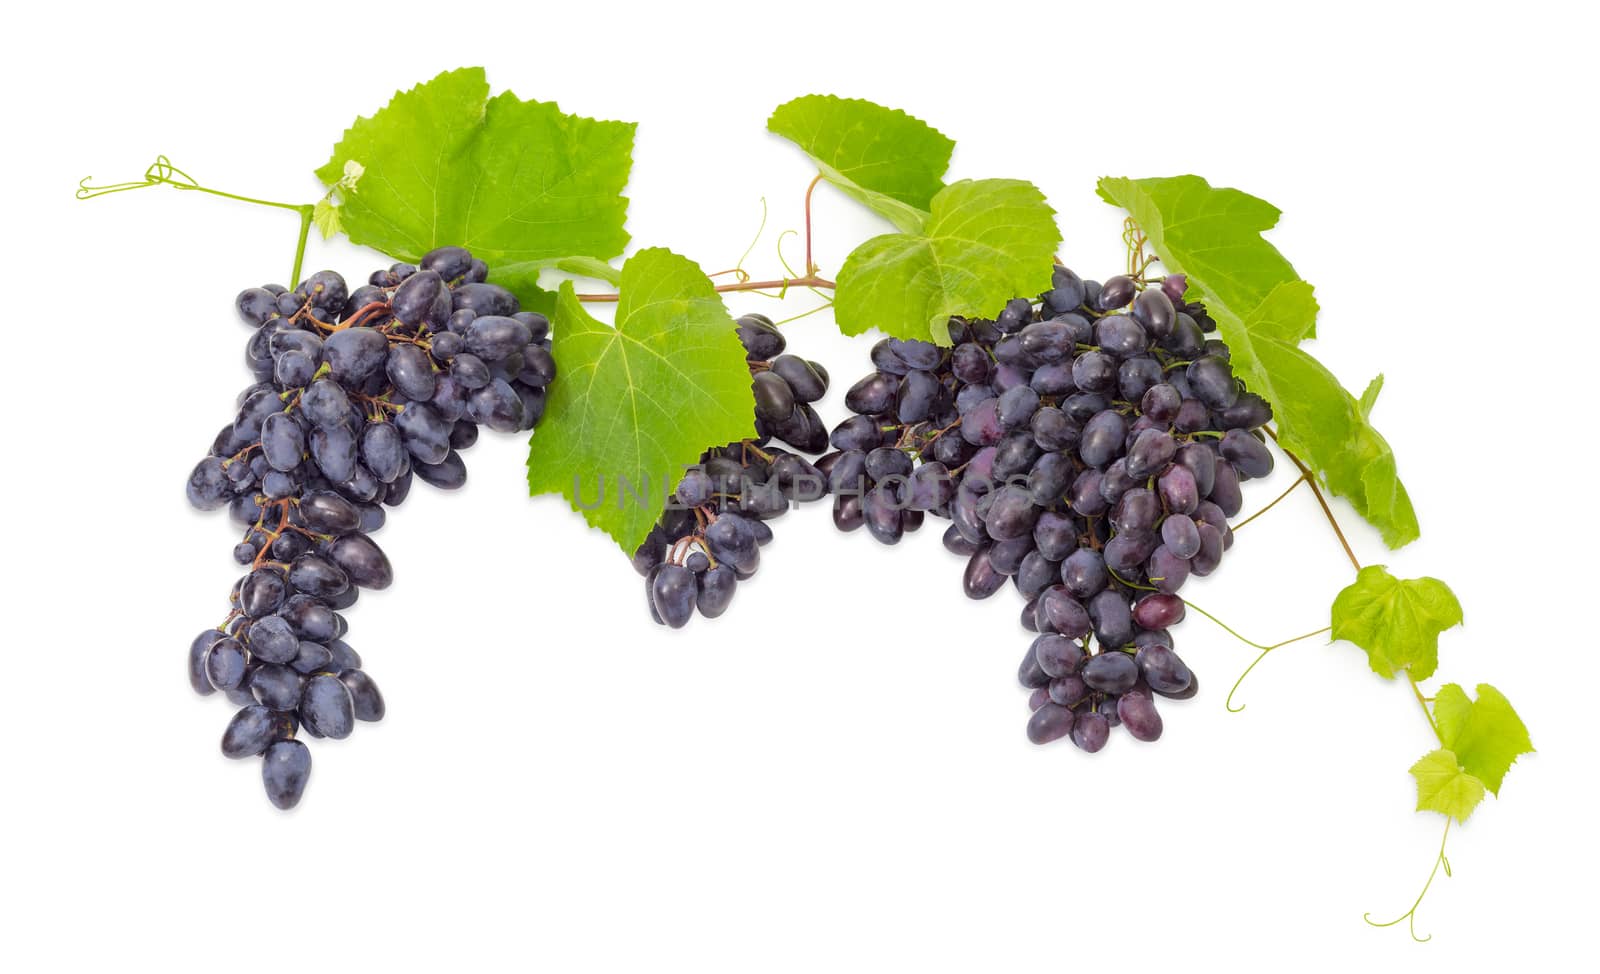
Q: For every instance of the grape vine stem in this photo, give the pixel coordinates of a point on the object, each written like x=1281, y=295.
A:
x=163, y=173
x=1440, y=860
x=809, y=279
x=782, y=284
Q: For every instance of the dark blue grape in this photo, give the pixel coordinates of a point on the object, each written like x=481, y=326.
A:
x=1179, y=534
x=1115, y=292
x=1066, y=293
x=252, y=730
x=426, y=434
x=1248, y=455
x=971, y=364
x=714, y=590
x=284, y=772
x=362, y=560
x=1158, y=611
x=364, y=696
x=1090, y=731
x=673, y=590
x=272, y=640
x=981, y=425
x=1095, y=372
x=1162, y=669
x=1050, y=722
x=1048, y=341
x=208, y=487
x=1212, y=381
x=1154, y=310
x=1225, y=492
x=315, y=575
x=1102, y=438
x=493, y=337
x=761, y=339
x=1112, y=619
x=327, y=513
x=1152, y=450
x=334, y=451
x=1111, y=671
x=1084, y=573
x=802, y=376
x=916, y=397
x=225, y=663
x=1055, y=535
x=312, y=658
x=276, y=687
x=981, y=580
x=1058, y=655
x=1120, y=335
x=352, y=354
x=1137, y=713
x=422, y=298
x=326, y=707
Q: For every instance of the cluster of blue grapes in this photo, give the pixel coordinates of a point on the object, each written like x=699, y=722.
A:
x=710, y=536
x=357, y=394
x=1089, y=446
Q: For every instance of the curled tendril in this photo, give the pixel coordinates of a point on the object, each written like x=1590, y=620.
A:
x=1250, y=642
x=738, y=269
x=161, y=173
x=1411, y=915
x=1228, y=703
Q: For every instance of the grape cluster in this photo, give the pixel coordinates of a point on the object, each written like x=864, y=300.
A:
x=710, y=536
x=357, y=395
x=1089, y=447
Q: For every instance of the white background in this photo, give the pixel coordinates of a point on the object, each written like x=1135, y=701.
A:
x=833, y=775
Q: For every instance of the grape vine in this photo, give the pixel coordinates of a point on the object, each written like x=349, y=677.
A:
x=677, y=406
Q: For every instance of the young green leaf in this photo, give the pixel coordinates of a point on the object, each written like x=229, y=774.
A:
x=1486, y=734
x=1396, y=620
x=326, y=217
x=1369, y=395
x=517, y=182
x=889, y=161
x=1444, y=786
x=639, y=402
x=1264, y=310
x=986, y=242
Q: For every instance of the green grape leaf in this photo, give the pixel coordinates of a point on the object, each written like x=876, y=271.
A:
x=1486, y=734
x=639, y=402
x=891, y=162
x=326, y=217
x=519, y=183
x=1396, y=620
x=590, y=267
x=986, y=242
x=1369, y=395
x=1264, y=311
x=1444, y=786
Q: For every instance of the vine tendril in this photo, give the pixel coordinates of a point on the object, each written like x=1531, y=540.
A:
x=1265, y=649
x=163, y=173
x=1411, y=915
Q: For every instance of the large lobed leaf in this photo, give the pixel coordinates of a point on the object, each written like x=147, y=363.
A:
x=641, y=400
x=963, y=249
x=891, y=162
x=1264, y=311
x=1397, y=621
x=519, y=183
x=1486, y=734
x=985, y=242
